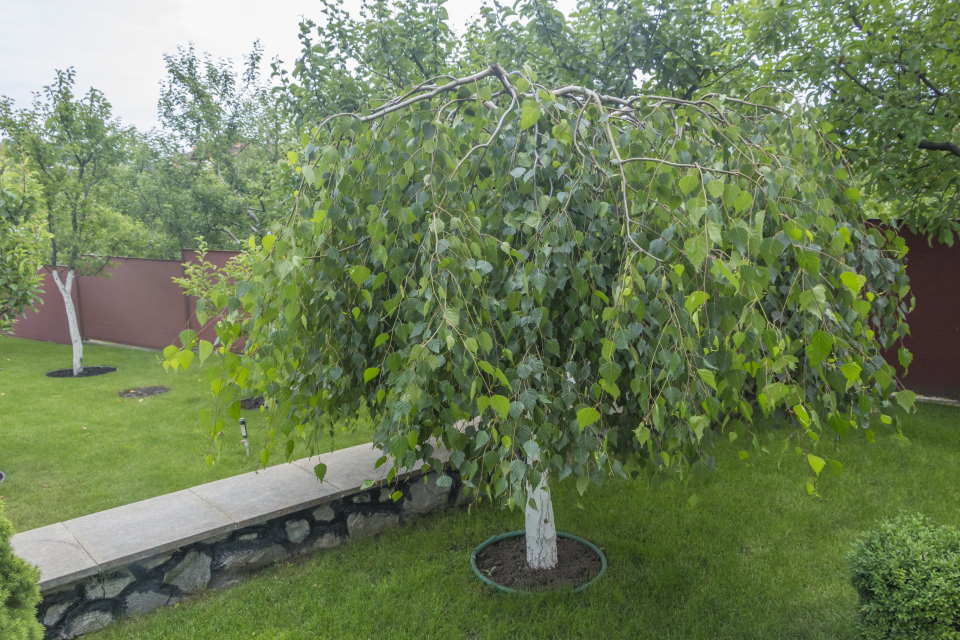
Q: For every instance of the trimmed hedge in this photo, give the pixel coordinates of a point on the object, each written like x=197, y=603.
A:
x=907, y=573
x=19, y=591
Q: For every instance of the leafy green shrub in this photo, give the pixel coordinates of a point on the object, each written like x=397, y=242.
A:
x=907, y=573
x=19, y=592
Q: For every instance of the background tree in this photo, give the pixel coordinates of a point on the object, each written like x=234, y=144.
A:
x=619, y=47
x=348, y=61
x=23, y=239
x=557, y=283
x=220, y=142
x=72, y=146
x=886, y=76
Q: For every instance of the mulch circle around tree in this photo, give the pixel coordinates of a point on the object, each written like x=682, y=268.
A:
x=143, y=392
x=251, y=403
x=505, y=563
x=86, y=373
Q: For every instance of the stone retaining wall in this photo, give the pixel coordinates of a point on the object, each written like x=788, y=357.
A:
x=93, y=602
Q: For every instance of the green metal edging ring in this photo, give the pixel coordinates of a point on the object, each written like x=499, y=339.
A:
x=514, y=534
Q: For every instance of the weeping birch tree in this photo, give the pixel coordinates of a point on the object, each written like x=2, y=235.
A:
x=557, y=285
x=71, y=144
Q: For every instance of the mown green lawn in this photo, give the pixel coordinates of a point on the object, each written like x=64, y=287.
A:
x=740, y=554
x=72, y=446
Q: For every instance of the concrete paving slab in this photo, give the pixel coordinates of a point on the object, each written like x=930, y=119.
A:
x=348, y=468
x=56, y=552
x=258, y=496
x=134, y=531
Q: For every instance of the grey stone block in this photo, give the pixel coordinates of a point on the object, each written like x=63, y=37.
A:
x=324, y=513
x=360, y=525
x=87, y=622
x=426, y=496
x=248, y=537
x=140, y=602
x=191, y=574
x=297, y=531
x=242, y=559
x=108, y=586
x=326, y=541
x=54, y=613
x=150, y=564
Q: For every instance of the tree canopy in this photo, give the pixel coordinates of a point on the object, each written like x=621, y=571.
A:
x=22, y=239
x=886, y=75
x=605, y=282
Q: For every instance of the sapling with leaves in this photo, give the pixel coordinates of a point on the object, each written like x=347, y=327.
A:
x=560, y=285
x=71, y=144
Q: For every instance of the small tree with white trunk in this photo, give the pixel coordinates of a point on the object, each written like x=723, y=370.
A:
x=71, y=144
x=559, y=285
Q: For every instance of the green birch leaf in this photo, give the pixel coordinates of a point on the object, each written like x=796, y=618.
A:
x=708, y=377
x=695, y=300
x=587, y=416
x=359, y=274
x=905, y=399
x=816, y=463
x=851, y=371
x=853, y=281
x=696, y=249
x=529, y=114
x=819, y=348
x=501, y=405
x=204, y=350
x=688, y=183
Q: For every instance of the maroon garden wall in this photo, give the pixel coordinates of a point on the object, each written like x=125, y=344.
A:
x=134, y=301
x=49, y=321
x=935, y=322
x=218, y=258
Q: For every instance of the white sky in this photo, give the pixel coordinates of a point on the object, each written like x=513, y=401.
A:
x=117, y=46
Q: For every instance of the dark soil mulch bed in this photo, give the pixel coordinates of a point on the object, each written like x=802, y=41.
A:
x=505, y=562
x=251, y=403
x=143, y=392
x=86, y=373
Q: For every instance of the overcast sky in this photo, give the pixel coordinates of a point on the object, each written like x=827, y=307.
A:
x=117, y=46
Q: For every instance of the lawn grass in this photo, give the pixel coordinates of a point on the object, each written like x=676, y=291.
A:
x=741, y=554
x=72, y=446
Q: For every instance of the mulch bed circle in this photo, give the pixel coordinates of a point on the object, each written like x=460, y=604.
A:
x=251, y=403
x=143, y=392
x=86, y=373
x=505, y=563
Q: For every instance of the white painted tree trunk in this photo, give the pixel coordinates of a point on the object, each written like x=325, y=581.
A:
x=541, y=529
x=76, y=340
